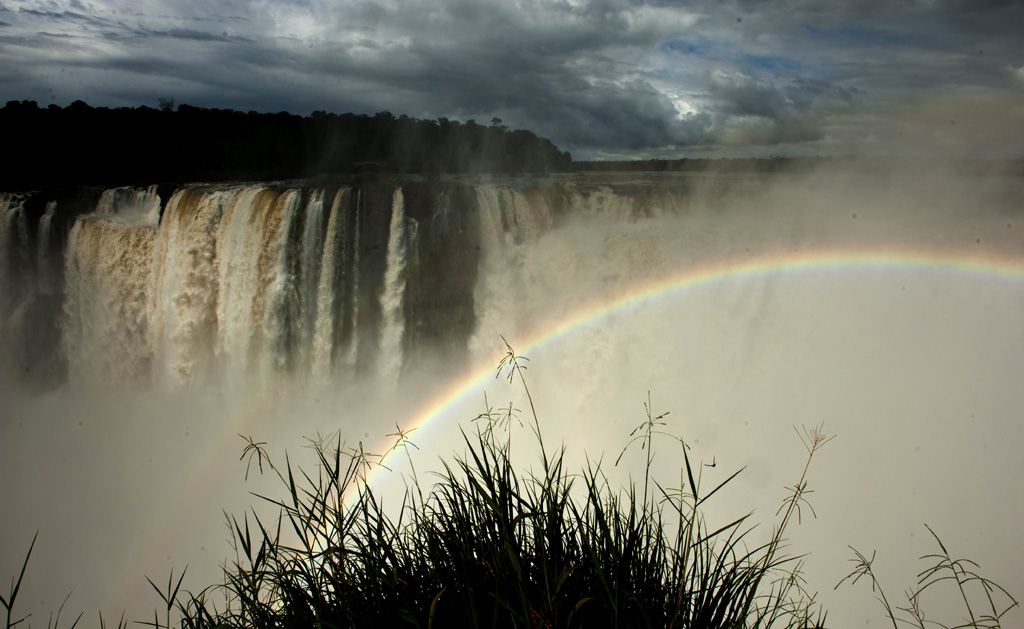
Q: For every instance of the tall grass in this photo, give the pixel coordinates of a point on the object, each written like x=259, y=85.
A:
x=488, y=545
x=8, y=600
x=944, y=569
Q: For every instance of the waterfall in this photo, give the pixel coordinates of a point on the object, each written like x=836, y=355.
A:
x=106, y=303
x=132, y=204
x=349, y=335
x=246, y=283
x=253, y=283
x=13, y=266
x=14, y=252
x=237, y=283
x=327, y=289
x=46, y=261
x=393, y=322
x=494, y=292
x=312, y=252
x=511, y=223
x=183, y=290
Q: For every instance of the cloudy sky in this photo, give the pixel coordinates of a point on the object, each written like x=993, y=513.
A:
x=604, y=79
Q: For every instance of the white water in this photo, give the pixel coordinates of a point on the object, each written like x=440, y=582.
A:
x=13, y=235
x=510, y=226
x=391, y=298
x=323, y=329
x=130, y=204
x=915, y=368
x=349, y=359
x=106, y=304
x=47, y=266
x=253, y=283
x=311, y=277
x=183, y=289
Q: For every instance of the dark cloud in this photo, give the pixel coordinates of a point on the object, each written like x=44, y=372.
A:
x=63, y=16
x=741, y=95
x=609, y=77
x=194, y=35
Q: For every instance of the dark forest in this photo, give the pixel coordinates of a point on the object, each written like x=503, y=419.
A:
x=79, y=144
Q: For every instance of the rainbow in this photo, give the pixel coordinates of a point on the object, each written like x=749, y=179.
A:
x=788, y=264
x=963, y=264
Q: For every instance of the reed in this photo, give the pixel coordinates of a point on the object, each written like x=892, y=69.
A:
x=962, y=573
x=488, y=545
x=7, y=601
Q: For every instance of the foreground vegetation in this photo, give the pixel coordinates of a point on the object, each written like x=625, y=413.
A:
x=490, y=546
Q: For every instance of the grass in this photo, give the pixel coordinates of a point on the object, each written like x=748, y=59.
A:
x=962, y=572
x=487, y=545
x=12, y=595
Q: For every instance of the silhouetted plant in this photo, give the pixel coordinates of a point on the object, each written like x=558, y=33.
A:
x=9, y=600
x=960, y=571
x=12, y=595
x=487, y=545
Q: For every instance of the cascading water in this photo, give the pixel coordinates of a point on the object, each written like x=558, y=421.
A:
x=13, y=259
x=14, y=242
x=233, y=284
x=255, y=284
x=744, y=304
x=391, y=298
x=348, y=323
x=47, y=265
x=313, y=254
x=509, y=229
x=106, y=303
x=139, y=203
x=183, y=288
x=334, y=288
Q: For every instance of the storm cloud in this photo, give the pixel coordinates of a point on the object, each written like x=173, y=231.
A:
x=603, y=79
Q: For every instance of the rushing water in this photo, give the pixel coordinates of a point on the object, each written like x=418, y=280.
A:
x=889, y=307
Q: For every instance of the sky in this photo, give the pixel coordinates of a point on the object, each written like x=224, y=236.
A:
x=608, y=79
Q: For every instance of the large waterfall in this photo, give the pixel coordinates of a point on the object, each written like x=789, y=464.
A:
x=143, y=328
x=241, y=285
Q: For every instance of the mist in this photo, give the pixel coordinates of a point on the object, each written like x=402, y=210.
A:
x=884, y=303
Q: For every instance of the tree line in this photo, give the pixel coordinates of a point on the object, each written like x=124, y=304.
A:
x=801, y=164
x=79, y=144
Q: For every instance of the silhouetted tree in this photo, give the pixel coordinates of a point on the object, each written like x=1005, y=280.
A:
x=80, y=144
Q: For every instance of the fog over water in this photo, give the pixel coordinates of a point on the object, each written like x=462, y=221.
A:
x=888, y=305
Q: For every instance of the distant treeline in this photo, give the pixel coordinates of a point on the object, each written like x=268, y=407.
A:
x=804, y=164
x=79, y=144
x=684, y=165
